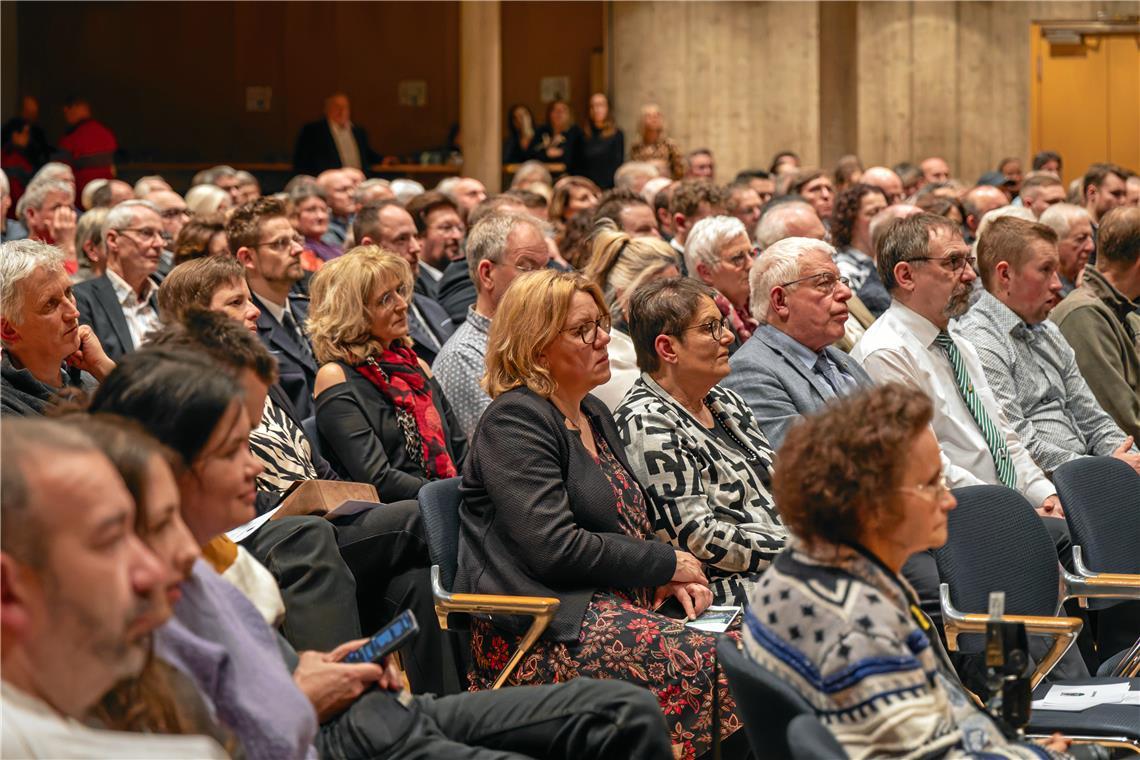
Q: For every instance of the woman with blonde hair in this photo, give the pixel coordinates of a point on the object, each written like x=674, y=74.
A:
x=652, y=144
x=550, y=509
x=619, y=265
x=381, y=416
x=208, y=199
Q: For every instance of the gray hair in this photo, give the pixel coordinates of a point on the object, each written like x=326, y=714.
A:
x=630, y=172
x=245, y=178
x=90, y=228
x=209, y=176
x=123, y=215
x=5, y=188
x=19, y=259
x=364, y=189
x=773, y=225
x=205, y=199
x=406, y=189
x=779, y=263
x=1060, y=217
x=447, y=186
x=488, y=238
x=708, y=237
x=53, y=170
x=38, y=192
x=148, y=184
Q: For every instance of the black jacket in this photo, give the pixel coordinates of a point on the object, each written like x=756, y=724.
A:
x=362, y=439
x=99, y=307
x=316, y=151
x=539, y=517
x=297, y=371
x=456, y=291
x=435, y=324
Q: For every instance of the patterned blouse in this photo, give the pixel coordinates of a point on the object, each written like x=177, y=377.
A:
x=663, y=150
x=709, y=497
x=283, y=450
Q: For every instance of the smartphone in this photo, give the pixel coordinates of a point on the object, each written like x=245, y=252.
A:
x=390, y=638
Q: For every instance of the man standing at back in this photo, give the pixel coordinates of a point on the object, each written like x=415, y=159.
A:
x=333, y=142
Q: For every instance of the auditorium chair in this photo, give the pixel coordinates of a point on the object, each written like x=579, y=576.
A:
x=770, y=708
x=1101, y=499
x=997, y=542
x=439, y=503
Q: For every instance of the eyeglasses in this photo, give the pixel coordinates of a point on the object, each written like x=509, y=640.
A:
x=281, y=245
x=588, y=331
x=146, y=233
x=957, y=261
x=174, y=213
x=388, y=300
x=824, y=282
x=743, y=258
x=714, y=327
x=932, y=491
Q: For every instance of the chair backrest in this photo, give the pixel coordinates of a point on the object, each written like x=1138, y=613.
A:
x=309, y=425
x=439, y=506
x=766, y=704
x=811, y=740
x=997, y=542
x=1101, y=498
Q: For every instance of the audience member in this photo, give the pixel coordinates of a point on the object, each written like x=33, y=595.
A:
x=1102, y=190
x=911, y=177
x=309, y=216
x=653, y=146
x=744, y=203
x=760, y=181
x=693, y=444
x=1101, y=323
x=47, y=209
x=1040, y=190
x=861, y=488
x=1075, y=242
x=120, y=304
x=790, y=367
x=201, y=236
x=467, y=193
x=692, y=201
x=934, y=170
x=111, y=193
x=784, y=162
x=80, y=591
x=262, y=239
x=1028, y=364
x=573, y=196
x=978, y=202
x=381, y=415
x=372, y=191
x=88, y=146
x=619, y=266
x=337, y=185
x=89, y=244
x=699, y=164
x=208, y=199
x=848, y=171
x=551, y=509
x=632, y=214
x=855, y=254
x=815, y=187
x=559, y=140
x=603, y=144
x=441, y=232
x=788, y=216
x=1048, y=161
x=10, y=229
x=501, y=247
x=519, y=145
x=333, y=142
x=719, y=253
x=531, y=174
x=886, y=180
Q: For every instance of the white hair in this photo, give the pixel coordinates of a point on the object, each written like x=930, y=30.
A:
x=779, y=263
x=1021, y=212
x=405, y=189
x=447, y=186
x=123, y=216
x=5, y=188
x=652, y=187
x=37, y=192
x=707, y=238
x=19, y=259
x=773, y=226
x=53, y=170
x=205, y=199
x=628, y=174
x=1060, y=217
x=149, y=184
x=87, y=197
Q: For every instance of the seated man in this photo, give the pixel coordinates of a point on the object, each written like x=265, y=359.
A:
x=1028, y=363
x=46, y=350
x=789, y=367
x=120, y=304
x=79, y=589
x=1101, y=321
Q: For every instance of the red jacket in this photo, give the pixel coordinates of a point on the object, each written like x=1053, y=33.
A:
x=89, y=147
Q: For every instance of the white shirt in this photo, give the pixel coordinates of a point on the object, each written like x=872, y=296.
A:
x=141, y=317
x=32, y=729
x=900, y=347
x=623, y=370
x=346, y=145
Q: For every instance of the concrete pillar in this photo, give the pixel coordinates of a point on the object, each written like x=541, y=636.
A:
x=481, y=91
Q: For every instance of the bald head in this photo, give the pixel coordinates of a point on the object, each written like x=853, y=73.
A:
x=981, y=200
x=934, y=170
x=787, y=220
x=886, y=180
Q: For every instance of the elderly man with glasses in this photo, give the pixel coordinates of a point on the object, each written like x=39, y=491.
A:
x=120, y=306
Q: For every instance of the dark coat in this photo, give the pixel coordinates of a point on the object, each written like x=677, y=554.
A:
x=539, y=517
x=456, y=291
x=316, y=151
x=436, y=324
x=297, y=371
x=361, y=436
x=99, y=307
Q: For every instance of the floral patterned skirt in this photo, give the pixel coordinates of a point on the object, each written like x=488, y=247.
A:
x=627, y=642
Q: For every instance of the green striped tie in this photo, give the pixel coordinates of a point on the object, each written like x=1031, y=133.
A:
x=995, y=441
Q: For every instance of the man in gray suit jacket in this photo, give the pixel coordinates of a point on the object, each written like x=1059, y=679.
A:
x=788, y=367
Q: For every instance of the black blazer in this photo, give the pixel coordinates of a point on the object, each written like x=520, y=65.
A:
x=363, y=441
x=315, y=150
x=425, y=285
x=539, y=516
x=297, y=372
x=456, y=291
x=435, y=323
x=99, y=307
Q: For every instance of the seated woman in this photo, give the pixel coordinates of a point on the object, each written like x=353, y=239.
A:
x=618, y=265
x=719, y=253
x=201, y=236
x=860, y=486
x=855, y=254
x=694, y=446
x=309, y=215
x=550, y=509
x=382, y=417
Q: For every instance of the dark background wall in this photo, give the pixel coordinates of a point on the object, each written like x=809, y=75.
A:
x=170, y=78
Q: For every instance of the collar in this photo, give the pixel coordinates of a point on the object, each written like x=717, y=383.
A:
x=1108, y=293
x=922, y=328
x=275, y=311
x=125, y=293
x=664, y=395
x=782, y=340
x=1001, y=316
x=338, y=128
x=477, y=320
x=432, y=272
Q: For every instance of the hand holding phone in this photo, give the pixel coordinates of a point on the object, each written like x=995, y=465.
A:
x=390, y=638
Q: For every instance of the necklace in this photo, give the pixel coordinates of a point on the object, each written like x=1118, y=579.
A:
x=749, y=452
x=574, y=424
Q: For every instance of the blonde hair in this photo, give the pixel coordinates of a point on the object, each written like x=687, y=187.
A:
x=339, y=323
x=527, y=320
x=620, y=264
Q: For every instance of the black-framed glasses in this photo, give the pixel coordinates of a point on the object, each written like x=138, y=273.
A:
x=281, y=245
x=824, y=282
x=588, y=331
x=957, y=261
x=714, y=327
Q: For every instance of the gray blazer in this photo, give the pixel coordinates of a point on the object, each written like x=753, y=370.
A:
x=778, y=387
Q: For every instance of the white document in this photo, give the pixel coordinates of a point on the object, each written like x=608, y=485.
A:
x=1077, y=698
x=716, y=619
x=242, y=531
